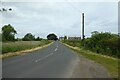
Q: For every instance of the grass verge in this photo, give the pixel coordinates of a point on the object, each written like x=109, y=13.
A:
x=22, y=47
x=111, y=64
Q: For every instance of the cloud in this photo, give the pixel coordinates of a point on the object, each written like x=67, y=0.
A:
x=60, y=0
x=62, y=18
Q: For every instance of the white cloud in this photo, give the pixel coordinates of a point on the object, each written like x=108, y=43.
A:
x=60, y=1
x=63, y=18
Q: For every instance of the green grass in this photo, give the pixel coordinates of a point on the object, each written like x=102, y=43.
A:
x=111, y=64
x=21, y=45
x=0, y=47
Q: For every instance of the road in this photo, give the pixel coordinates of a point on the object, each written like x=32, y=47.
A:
x=55, y=61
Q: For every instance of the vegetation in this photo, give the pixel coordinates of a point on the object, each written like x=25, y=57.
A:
x=0, y=43
x=111, y=64
x=38, y=39
x=22, y=45
x=65, y=37
x=105, y=43
x=100, y=43
x=10, y=44
x=0, y=37
x=52, y=37
x=8, y=33
x=29, y=37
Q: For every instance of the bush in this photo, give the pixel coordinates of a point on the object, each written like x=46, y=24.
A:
x=104, y=43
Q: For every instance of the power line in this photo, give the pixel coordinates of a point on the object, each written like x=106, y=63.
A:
x=72, y=6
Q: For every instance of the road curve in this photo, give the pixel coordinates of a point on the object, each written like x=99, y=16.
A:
x=55, y=61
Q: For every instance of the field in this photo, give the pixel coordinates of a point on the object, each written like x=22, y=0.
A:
x=110, y=63
x=21, y=45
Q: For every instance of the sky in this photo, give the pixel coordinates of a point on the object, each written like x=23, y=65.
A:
x=62, y=18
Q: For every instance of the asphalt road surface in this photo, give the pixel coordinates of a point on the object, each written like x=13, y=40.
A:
x=55, y=61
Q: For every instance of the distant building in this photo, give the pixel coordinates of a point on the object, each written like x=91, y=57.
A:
x=61, y=38
x=70, y=38
x=119, y=34
x=74, y=38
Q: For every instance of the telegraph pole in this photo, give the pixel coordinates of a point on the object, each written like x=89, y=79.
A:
x=83, y=36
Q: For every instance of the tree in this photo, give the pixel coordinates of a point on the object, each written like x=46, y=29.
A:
x=65, y=37
x=38, y=39
x=52, y=37
x=29, y=37
x=105, y=43
x=0, y=37
x=8, y=33
x=94, y=32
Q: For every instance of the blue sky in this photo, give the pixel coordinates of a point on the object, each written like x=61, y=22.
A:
x=61, y=18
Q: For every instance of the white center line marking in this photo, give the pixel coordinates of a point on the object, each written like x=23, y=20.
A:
x=57, y=45
x=43, y=57
x=47, y=55
x=56, y=49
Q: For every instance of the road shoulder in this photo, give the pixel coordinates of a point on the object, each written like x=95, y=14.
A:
x=86, y=68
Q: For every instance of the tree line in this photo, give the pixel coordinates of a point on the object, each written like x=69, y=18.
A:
x=105, y=43
x=8, y=34
x=100, y=42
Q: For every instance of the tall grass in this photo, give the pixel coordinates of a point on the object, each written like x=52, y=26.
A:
x=110, y=63
x=21, y=45
x=0, y=47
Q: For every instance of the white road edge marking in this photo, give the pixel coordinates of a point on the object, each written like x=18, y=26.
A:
x=43, y=57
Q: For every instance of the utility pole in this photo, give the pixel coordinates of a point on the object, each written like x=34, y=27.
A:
x=83, y=36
